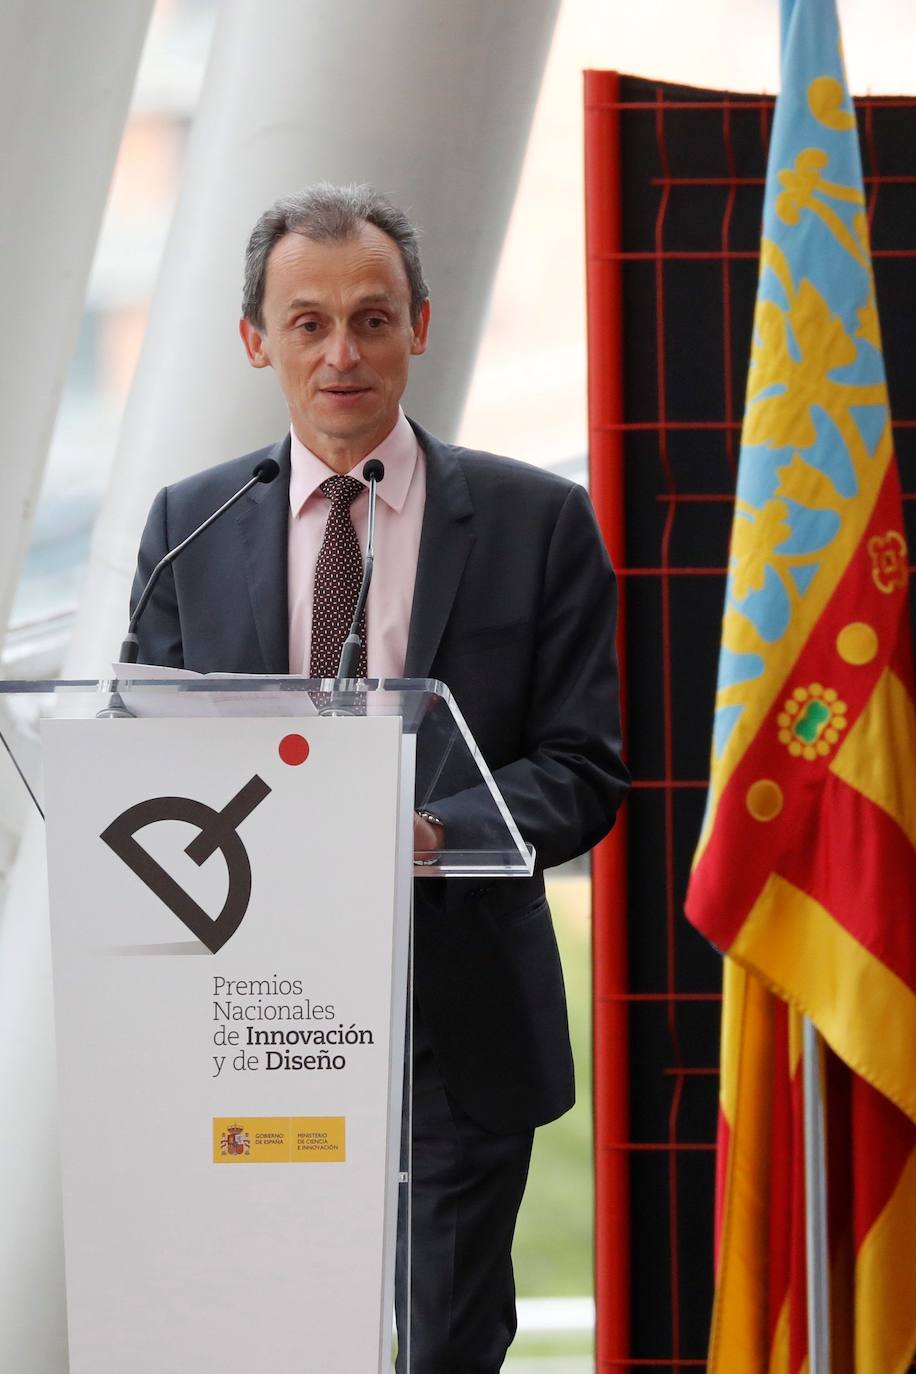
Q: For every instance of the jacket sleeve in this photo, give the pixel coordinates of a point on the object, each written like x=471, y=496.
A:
x=159, y=630
x=565, y=790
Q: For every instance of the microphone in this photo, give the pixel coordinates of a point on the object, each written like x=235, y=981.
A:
x=265, y=471
x=373, y=473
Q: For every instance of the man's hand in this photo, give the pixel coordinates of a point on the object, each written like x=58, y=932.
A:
x=427, y=839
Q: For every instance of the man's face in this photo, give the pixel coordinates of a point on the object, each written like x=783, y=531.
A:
x=337, y=332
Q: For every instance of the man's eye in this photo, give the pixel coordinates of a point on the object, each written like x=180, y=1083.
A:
x=376, y=321
x=310, y=326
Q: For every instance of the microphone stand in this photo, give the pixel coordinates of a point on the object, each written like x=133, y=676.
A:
x=373, y=472
x=265, y=471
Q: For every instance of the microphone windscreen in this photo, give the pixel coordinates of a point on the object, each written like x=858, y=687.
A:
x=266, y=470
x=374, y=470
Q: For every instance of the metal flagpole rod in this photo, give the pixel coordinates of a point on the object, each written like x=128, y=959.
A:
x=816, y=1253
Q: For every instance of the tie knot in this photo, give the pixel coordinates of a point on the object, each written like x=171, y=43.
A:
x=342, y=491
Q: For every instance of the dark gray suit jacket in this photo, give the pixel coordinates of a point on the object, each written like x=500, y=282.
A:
x=514, y=609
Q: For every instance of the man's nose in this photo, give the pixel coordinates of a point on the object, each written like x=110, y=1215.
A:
x=342, y=353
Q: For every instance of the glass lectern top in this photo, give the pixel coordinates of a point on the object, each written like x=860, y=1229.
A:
x=452, y=778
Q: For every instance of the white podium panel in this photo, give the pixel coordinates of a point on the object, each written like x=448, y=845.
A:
x=230, y=905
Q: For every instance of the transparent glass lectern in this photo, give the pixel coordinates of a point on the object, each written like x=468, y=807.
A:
x=452, y=776
x=437, y=768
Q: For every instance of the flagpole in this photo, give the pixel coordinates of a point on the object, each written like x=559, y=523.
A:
x=817, y=1260
x=816, y=1253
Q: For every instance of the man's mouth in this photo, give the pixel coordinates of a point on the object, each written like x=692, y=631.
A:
x=345, y=397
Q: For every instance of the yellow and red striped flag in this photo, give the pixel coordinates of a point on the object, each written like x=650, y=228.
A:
x=805, y=872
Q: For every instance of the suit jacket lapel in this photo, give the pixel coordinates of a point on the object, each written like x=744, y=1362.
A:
x=263, y=520
x=445, y=542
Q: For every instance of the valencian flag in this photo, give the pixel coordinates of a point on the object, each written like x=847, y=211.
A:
x=805, y=872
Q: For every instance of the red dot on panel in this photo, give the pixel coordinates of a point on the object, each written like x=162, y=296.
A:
x=294, y=749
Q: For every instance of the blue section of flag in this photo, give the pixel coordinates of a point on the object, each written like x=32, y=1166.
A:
x=870, y=422
x=738, y=667
x=724, y=722
x=786, y=11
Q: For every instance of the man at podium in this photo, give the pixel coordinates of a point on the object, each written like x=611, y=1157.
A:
x=489, y=575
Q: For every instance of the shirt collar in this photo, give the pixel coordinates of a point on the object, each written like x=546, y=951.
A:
x=398, y=452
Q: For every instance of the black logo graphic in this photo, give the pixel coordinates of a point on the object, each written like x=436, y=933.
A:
x=218, y=831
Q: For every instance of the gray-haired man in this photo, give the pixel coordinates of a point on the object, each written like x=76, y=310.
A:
x=490, y=575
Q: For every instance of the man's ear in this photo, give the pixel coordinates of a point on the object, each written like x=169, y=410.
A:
x=421, y=330
x=255, y=343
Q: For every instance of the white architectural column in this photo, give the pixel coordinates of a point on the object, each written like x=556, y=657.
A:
x=59, y=134
x=66, y=76
x=430, y=101
x=33, y=1325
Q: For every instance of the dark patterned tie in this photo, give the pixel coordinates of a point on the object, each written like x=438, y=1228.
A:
x=338, y=574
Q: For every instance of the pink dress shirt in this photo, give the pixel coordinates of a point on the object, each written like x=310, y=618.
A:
x=398, y=522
